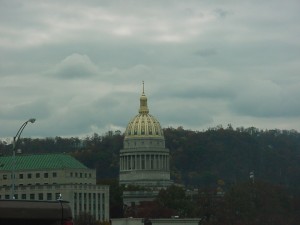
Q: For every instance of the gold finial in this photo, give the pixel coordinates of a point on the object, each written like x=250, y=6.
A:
x=143, y=88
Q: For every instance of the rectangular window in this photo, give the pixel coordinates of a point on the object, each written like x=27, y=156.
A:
x=41, y=196
x=29, y=175
x=5, y=177
x=21, y=176
x=54, y=174
x=37, y=175
x=23, y=196
x=49, y=196
x=6, y=196
x=31, y=196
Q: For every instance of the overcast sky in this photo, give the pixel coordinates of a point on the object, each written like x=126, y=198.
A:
x=78, y=66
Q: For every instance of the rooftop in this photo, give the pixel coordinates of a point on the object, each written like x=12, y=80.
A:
x=40, y=162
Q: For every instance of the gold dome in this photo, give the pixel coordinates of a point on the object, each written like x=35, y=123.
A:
x=143, y=124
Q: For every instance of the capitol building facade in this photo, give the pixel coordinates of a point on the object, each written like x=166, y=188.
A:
x=144, y=160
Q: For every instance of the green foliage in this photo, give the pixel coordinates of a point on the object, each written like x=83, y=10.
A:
x=199, y=159
x=174, y=198
x=257, y=203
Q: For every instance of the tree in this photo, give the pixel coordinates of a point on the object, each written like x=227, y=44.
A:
x=256, y=203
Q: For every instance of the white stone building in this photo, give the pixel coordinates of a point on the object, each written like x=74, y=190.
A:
x=144, y=160
x=49, y=176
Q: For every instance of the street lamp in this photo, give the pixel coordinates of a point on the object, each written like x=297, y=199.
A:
x=14, y=145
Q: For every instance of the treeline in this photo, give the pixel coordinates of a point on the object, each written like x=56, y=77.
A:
x=198, y=158
x=229, y=155
x=250, y=203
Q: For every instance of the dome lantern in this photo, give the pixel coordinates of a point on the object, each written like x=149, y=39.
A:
x=143, y=103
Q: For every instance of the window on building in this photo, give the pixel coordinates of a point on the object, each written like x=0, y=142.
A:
x=41, y=196
x=54, y=174
x=29, y=175
x=31, y=196
x=71, y=174
x=46, y=175
x=23, y=196
x=90, y=175
x=37, y=175
x=6, y=196
x=80, y=175
x=49, y=196
x=4, y=176
x=21, y=176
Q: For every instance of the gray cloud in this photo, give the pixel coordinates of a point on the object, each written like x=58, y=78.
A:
x=75, y=66
x=78, y=67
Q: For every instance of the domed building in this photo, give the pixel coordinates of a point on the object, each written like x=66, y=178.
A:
x=144, y=160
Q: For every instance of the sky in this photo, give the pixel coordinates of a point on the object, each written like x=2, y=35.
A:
x=78, y=66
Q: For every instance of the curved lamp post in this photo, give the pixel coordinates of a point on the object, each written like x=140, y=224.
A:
x=14, y=145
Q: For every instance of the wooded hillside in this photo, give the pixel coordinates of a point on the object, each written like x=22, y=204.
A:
x=198, y=158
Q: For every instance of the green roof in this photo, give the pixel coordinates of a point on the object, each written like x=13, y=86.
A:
x=41, y=162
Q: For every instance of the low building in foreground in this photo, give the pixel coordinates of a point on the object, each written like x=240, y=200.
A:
x=54, y=176
x=170, y=221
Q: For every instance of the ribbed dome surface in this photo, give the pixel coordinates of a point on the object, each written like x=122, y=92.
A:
x=142, y=125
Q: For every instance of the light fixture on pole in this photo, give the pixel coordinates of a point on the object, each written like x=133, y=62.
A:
x=14, y=145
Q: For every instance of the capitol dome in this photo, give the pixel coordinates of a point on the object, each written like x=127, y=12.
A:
x=144, y=159
x=143, y=124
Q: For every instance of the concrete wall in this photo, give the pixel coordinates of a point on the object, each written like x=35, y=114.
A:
x=138, y=221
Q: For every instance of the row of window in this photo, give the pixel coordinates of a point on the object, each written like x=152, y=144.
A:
x=88, y=195
x=30, y=175
x=80, y=175
x=34, y=196
x=47, y=175
x=89, y=203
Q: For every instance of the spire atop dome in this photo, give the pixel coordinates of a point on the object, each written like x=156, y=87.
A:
x=143, y=87
x=143, y=103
